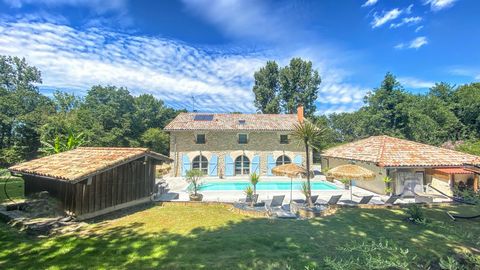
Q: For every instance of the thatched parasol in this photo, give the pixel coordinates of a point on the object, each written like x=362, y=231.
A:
x=291, y=170
x=351, y=172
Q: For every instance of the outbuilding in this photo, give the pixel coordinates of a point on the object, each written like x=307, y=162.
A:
x=91, y=181
x=406, y=163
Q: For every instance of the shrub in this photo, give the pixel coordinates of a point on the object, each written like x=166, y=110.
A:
x=449, y=264
x=416, y=214
x=254, y=179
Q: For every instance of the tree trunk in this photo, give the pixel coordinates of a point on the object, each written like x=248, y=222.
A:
x=309, y=199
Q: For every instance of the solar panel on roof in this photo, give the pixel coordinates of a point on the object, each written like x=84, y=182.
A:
x=203, y=117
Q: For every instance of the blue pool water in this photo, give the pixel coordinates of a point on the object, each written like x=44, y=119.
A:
x=270, y=185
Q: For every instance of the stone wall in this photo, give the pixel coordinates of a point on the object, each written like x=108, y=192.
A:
x=220, y=143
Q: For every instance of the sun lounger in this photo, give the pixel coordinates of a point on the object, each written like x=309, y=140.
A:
x=275, y=203
x=301, y=201
x=391, y=200
x=364, y=200
x=333, y=200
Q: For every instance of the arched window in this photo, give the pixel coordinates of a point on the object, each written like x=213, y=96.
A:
x=242, y=165
x=283, y=160
x=200, y=163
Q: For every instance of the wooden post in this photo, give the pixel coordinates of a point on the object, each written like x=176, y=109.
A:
x=475, y=183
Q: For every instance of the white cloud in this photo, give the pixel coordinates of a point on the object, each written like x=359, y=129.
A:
x=466, y=72
x=171, y=70
x=411, y=82
x=436, y=5
x=369, y=3
x=407, y=21
x=386, y=17
x=100, y=6
x=408, y=10
x=414, y=44
x=418, y=28
x=418, y=42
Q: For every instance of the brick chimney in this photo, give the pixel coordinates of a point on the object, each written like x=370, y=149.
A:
x=300, y=113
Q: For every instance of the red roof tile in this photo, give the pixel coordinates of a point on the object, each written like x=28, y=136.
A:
x=82, y=162
x=393, y=152
x=260, y=122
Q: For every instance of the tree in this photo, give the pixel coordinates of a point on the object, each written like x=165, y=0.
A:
x=22, y=109
x=299, y=84
x=467, y=100
x=266, y=88
x=309, y=135
x=61, y=144
x=254, y=179
x=282, y=90
x=156, y=139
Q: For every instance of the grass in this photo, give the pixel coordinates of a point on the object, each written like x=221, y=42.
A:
x=212, y=237
x=14, y=186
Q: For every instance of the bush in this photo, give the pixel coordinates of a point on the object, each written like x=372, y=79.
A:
x=416, y=214
x=467, y=195
x=12, y=155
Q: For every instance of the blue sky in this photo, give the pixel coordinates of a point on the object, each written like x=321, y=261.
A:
x=210, y=49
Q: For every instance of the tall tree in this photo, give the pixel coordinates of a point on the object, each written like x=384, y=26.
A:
x=299, y=84
x=467, y=106
x=266, y=88
x=22, y=109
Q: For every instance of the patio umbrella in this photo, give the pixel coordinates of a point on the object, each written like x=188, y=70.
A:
x=291, y=170
x=351, y=171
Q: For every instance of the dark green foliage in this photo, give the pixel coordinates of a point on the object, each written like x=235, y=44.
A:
x=266, y=88
x=416, y=214
x=106, y=116
x=445, y=113
x=282, y=90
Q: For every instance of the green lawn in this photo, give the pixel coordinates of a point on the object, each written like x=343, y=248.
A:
x=14, y=186
x=212, y=237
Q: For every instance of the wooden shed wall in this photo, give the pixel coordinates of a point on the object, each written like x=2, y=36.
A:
x=122, y=184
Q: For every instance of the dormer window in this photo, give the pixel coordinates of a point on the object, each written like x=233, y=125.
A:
x=241, y=122
x=200, y=139
x=242, y=138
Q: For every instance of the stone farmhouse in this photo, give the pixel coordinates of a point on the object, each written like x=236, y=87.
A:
x=226, y=145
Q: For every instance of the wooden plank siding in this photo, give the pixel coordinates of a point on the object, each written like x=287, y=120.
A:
x=128, y=182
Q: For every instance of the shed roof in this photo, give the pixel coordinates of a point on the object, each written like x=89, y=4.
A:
x=83, y=162
x=388, y=151
x=231, y=122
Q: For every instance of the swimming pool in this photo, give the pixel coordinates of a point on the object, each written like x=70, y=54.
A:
x=267, y=185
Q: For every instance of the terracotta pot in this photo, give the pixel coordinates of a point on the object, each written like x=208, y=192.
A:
x=197, y=198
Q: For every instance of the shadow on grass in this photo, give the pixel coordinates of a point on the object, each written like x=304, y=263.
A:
x=241, y=244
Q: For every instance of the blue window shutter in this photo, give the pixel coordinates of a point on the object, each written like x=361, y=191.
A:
x=271, y=163
x=213, y=165
x=185, y=165
x=298, y=160
x=256, y=164
x=228, y=165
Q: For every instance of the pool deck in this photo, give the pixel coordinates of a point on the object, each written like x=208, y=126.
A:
x=179, y=185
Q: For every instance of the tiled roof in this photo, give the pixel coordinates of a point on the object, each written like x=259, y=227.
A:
x=83, y=162
x=393, y=152
x=260, y=122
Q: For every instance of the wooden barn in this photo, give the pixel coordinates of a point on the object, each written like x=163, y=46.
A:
x=91, y=181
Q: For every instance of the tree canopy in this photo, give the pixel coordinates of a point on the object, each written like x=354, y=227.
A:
x=105, y=116
x=281, y=90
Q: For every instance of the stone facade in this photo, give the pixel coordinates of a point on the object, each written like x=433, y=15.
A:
x=262, y=146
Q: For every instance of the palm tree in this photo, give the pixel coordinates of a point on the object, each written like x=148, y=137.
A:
x=254, y=179
x=309, y=135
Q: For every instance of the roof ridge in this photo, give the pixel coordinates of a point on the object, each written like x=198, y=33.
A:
x=382, y=149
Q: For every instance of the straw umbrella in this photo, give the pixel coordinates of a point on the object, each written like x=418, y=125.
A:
x=351, y=171
x=291, y=170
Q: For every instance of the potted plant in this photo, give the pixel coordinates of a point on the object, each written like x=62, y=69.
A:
x=346, y=182
x=249, y=192
x=254, y=179
x=388, y=188
x=193, y=177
